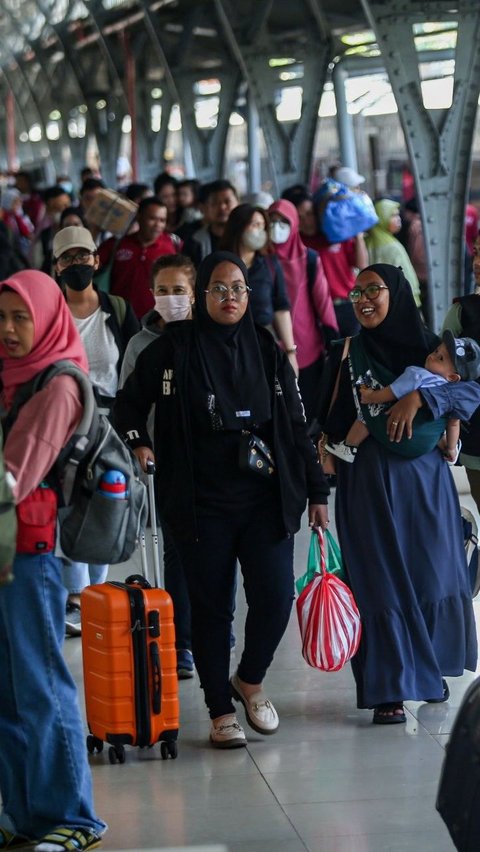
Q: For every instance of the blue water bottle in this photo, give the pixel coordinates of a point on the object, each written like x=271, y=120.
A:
x=113, y=484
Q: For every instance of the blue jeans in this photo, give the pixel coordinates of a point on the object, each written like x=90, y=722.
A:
x=77, y=575
x=45, y=778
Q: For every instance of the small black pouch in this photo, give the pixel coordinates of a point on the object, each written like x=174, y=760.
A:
x=255, y=455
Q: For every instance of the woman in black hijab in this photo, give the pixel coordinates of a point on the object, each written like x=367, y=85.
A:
x=397, y=510
x=235, y=468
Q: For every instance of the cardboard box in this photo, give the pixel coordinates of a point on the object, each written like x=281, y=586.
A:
x=112, y=212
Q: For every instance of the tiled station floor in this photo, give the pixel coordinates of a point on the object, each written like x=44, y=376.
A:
x=328, y=781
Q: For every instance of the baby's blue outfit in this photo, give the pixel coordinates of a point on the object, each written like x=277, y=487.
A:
x=414, y=378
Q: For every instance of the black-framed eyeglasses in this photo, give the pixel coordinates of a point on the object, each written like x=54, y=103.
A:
x=80, y=257
x=372, y=292
x=219, y=292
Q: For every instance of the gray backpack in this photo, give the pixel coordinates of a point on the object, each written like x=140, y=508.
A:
x=8, y=523
x=94, y=526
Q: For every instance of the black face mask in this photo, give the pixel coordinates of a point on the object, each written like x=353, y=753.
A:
x=77, y=277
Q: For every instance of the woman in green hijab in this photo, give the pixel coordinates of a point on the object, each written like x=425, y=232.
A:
x=383, y=246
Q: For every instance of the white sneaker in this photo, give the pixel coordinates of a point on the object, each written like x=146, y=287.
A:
x=342, y=451
x=457, y=453
x=261, y=714
x=73, y=619
x=227, y=733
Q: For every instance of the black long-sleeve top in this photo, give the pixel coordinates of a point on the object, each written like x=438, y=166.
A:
x=162, y=376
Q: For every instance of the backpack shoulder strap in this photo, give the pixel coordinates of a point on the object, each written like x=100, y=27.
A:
x=89, y=419
x=119, y=306
x=311, y=268
x=23, y=394
x=82, y=440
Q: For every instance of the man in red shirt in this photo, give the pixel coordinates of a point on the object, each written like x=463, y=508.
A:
x=135, y=253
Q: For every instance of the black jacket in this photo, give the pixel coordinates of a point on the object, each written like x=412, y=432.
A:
x=161, y=376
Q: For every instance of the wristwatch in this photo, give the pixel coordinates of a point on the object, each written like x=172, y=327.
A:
x=292, y=349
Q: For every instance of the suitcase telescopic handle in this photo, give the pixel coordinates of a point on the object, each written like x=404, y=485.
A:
x=150, y=470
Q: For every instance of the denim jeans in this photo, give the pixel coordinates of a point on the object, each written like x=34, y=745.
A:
x=45, y=778
x=77, y=575
x=256, y=538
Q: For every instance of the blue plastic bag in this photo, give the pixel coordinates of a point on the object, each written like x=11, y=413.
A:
x=345, y=213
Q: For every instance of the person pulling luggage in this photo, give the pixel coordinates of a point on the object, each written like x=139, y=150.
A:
x=235, y=468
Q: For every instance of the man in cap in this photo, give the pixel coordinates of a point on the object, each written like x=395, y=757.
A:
x=349, y=177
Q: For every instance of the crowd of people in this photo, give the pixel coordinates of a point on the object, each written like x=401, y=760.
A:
x=259, y=364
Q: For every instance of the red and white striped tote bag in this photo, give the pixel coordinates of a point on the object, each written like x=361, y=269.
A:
x=329, y=620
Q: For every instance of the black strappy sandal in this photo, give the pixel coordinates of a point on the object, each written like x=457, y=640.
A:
x=389, y=714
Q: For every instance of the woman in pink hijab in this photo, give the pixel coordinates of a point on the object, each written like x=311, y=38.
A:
x=45, y=781
x=312, y=311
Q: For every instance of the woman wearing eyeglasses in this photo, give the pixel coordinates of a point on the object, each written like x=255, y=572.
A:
x=105, y=324
x=235, y=468
x=397, y=510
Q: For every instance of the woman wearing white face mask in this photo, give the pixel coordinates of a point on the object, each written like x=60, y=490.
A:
x=247, y=234
x=313, y=315
x=173, y=281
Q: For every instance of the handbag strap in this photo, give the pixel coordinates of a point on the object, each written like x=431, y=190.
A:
x=355, y=391
x=346, y=348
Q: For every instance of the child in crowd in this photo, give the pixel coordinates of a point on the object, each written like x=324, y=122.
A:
x=454, y=360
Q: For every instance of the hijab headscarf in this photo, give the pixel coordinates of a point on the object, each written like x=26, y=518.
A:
x=230, y=356
x=383, y=246
x=380, y=235
x=292, y=254
x=55, y=335
x=401, y=340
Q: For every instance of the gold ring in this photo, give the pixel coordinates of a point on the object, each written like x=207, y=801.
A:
x=394, y=422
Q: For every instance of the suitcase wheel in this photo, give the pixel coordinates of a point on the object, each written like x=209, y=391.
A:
x=94, y=745
x=168, y=749
x=116, y=754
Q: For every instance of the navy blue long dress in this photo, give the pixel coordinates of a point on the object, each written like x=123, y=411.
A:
x=400, y=532
x=397, y=513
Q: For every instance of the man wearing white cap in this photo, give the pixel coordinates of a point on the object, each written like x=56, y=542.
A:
x=349, y=177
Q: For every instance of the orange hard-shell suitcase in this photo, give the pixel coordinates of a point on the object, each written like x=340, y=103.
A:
x=130, y=661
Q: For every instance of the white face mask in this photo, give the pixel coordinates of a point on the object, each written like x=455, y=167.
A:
x=280, y=232
x=255, y=239
x=173, y=308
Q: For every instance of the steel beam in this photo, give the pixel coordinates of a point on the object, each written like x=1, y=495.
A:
x=439, y=142
x=289, y=144
x=171, y=95
x=208, y=146
x=346, y=135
